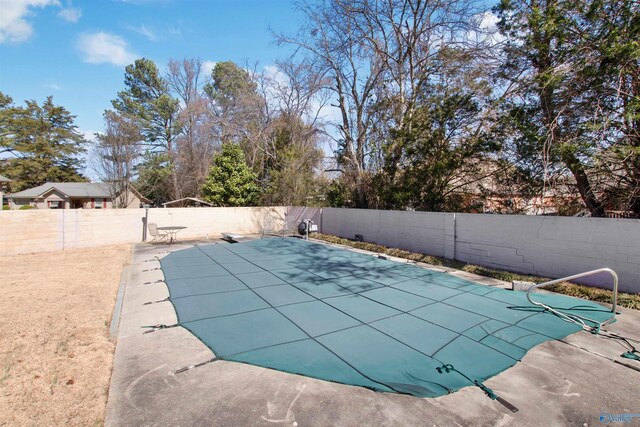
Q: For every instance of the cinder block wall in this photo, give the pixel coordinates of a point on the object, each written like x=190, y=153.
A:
x=545, y=246
x=50, y=230
x=415, y=231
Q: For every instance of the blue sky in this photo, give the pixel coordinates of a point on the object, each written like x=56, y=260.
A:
x=77, y=50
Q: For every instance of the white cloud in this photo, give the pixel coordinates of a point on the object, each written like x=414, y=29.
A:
x=278, y=76
x=146, y=32
x=175, y=30
x=89, y=135
x=14, y=26
x=489, y=21
x=105, y=48
x=207, y=67
x=53, y=86
x=70, y=14
x=488, y=28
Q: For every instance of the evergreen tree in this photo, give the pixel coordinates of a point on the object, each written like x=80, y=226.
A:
x=289, y=173
x=612, y=75
x=440, y=149
x=147, y=99
x=574, y=70
x=154, y=174
x=42, y=141
x=230, y=182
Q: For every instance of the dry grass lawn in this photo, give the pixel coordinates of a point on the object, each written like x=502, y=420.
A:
x=55, y=355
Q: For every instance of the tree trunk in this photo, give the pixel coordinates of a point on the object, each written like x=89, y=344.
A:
x=361, y=193
x=584, y=186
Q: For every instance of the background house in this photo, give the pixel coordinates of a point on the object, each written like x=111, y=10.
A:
x=72, y=195
x=3, y=182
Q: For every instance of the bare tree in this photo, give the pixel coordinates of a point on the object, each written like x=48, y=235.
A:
x=273, y=114
x=293, y=97
x=379, y=56
x=116, y=154
x=417, y=41
x=196, y=143
x=330, y=41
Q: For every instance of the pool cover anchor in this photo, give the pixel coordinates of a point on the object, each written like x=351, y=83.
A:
x=155, y=302
x=197, y=365
x=153, y=328
x=446, y=368
x=631, y=354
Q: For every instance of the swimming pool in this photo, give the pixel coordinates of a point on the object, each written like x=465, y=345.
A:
x=337, y=315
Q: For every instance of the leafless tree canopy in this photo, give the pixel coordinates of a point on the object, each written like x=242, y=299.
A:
x=116, y=155
x=196, y=142
x=378, y=58
x=425, y=104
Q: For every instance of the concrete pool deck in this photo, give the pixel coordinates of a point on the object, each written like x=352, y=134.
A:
x=568, y=382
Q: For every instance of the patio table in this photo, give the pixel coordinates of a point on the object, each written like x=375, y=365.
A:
x=172, y=231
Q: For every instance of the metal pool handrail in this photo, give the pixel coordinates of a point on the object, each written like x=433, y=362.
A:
x=576, y=318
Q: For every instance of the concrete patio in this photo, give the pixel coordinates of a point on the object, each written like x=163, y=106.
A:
x=568, y=382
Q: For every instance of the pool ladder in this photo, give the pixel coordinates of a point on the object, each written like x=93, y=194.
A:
x=581, y=320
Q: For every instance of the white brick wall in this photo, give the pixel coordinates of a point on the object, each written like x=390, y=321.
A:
x=545, y=246
x=51, y=230
x=415, y=231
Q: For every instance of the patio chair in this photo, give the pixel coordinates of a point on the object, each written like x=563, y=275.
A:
x=157, y=234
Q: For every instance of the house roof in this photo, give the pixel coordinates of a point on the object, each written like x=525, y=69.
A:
x=71, y=189
x=139, y=196
x=181, y=202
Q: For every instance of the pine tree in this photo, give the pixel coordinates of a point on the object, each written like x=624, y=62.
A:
x=43, y=143
x=230, y=182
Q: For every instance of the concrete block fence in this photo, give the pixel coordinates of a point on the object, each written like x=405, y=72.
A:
x=541, y=245
x=545, y=246
x=51, y=230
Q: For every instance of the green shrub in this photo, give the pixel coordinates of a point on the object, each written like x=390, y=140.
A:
x=25, y=207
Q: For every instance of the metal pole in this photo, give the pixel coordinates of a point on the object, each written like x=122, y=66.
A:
x=455, y=231
x=144, y=223
x=574, y=317
x=286, y=221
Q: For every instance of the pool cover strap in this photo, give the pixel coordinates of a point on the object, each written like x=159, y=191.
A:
x=332, y=314
x=450, y=368
x=153, y=328
x=197, y=365
x=157, y=301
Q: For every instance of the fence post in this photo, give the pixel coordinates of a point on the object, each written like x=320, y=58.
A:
x=450, y=236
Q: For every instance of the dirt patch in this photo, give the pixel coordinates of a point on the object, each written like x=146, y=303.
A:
x=55, y=355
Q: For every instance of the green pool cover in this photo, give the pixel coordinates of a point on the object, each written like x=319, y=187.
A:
x=337, y=315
